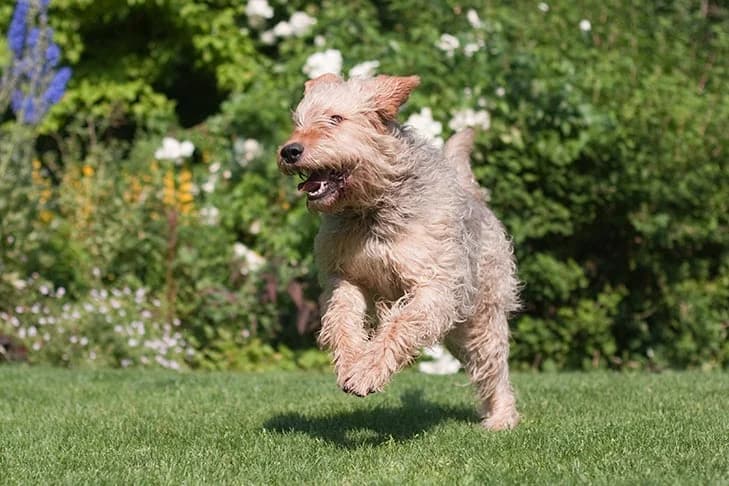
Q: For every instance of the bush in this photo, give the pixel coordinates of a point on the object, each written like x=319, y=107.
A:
x=602, y=140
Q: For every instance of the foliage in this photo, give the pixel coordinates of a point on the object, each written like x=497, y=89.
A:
x=602, y=144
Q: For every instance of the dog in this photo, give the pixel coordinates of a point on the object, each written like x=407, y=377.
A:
x=408, y=253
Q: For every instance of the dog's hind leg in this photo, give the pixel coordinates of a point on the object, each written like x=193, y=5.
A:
x=482, y=345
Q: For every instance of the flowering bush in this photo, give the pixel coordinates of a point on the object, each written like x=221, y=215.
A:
x=118, y=327
x=600, y=144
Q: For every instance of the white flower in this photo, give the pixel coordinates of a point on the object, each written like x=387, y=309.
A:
x=174, y=150
x=186, y=148
x=300, y=23
x=125, y=363
x=471, y=48
x=133, y=343
x=255, y=227
x=60, y=292
x=210, y=215
x=268, y=37
x=443, y=364
x=329, y=61
x=37, y=345
x=448, y=43
x=424, y=124
x=473, y=19
x=470, y=118
x=585, y=25
x=83, y=341
x=209, y=185
x=257, y=11
x=253, y=261
x=246, y=150
x=214, y=167
x=543, y=7
x=227, y=174
x=43, y=290
x=19, y=284
x=320, y=41
x=283, y=29
x=239, y=250
x=365, y=69
x=500, y=92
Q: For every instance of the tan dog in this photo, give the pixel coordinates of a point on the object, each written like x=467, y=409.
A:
x=408, y=253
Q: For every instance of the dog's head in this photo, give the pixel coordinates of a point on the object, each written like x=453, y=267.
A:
x=343, y=144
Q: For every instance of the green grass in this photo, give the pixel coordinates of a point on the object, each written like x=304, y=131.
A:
x=140, y=427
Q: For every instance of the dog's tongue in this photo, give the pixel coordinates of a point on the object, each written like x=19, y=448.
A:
x=313, y=183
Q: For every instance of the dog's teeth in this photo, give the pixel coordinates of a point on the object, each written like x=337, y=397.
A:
x=320, y=190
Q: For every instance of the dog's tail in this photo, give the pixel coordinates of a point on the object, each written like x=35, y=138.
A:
x=457, y=152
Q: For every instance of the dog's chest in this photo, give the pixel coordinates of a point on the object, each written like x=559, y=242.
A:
x=360, y=258
x=374, y=267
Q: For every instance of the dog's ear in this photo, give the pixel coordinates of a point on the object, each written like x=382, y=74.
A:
x=328, y=78
x=391, y=92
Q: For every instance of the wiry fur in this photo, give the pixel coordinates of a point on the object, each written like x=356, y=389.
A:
x=408, y=253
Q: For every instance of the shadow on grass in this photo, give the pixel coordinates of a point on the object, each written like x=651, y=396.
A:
x=359, y=428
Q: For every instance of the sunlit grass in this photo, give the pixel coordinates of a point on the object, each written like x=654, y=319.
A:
x=140, y=427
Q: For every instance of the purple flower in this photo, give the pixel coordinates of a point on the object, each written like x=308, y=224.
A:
x=53, y=54
x=33, y=37
x=57, y=87
x=25, y=107
x=16, y=33
x=36, y=85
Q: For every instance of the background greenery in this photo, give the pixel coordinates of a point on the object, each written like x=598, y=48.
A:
x=606, y=157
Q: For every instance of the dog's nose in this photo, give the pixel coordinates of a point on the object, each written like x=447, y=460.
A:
x=292, y=152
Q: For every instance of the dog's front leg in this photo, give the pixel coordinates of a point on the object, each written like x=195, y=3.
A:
x=417, y=320
x=342, y=325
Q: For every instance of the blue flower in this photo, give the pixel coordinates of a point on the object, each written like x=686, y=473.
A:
x=57, y=87
x=53, y=54
x=36, y=84
x=16, y=33
x=24, y=107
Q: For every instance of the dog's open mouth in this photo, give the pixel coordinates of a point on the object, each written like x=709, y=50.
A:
x=320, y=184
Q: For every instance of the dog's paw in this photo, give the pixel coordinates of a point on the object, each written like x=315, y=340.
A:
x=364, y=377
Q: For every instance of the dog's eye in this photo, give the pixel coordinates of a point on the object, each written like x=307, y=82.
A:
x=336, y=119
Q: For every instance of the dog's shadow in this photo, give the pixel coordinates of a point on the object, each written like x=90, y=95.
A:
x=353, y=429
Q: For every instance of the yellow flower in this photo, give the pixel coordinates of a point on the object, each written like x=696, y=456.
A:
x=45, y=216
x=168, y=196
x=45, y=195
x=87, y=170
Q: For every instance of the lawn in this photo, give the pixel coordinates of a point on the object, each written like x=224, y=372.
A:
x=141, y=427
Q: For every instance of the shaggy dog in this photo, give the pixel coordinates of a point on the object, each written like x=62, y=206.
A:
x=408, y=253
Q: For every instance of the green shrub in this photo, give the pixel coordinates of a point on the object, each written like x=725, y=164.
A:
x=602, y=144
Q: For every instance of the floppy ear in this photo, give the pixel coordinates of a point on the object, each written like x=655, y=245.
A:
x=391, y=92
x=327, y=78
